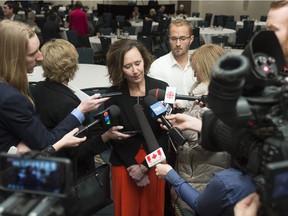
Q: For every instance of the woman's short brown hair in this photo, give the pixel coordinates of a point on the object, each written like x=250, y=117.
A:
x=115, y=58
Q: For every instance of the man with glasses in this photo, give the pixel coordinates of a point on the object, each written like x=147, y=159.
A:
x=174, y=67
x=10, y=10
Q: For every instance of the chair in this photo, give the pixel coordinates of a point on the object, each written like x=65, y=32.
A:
x=73, y=37
x=84, y=41
x=120, y=18
x=195, y=14
x=130, y=29
x=244, y=17
x=161, y=29
x=196, y=40
x=203, y=23
x=231, y=25
x=242, y=36
x=218, y=21
x=263, y=18
x=105, y=43
x=208, y=18
x=249, y=24
x=107, y=19
x=86, y=55
x=230, y=18
x=220, y=40
x=146, y=41
x=147, y=28
x=105, y=30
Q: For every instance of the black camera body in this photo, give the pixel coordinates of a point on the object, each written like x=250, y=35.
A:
x=248, y=98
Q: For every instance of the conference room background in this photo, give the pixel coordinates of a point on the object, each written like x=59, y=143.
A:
x=233, y=7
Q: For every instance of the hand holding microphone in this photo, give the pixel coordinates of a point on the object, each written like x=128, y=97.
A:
x=159, y=111
x=185, y=122
x=160, y=94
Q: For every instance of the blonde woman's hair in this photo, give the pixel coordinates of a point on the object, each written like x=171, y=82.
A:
x=14, y=41
x=203, y=59
x=60, y=60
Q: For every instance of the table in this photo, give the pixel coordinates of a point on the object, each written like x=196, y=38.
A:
x=207, y=33
x=138, y=26
x=88, y=76
x=96, y=43
x=227, y=49
x=240, y=24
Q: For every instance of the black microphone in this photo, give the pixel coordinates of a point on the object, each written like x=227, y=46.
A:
x=103, y=117
x=159, y=94
x=159, y=111
x=156, y=153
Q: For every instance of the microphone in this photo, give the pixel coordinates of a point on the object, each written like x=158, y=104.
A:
x=159, y=110
x=159, y=94
x=104, y=118
x=157, y=154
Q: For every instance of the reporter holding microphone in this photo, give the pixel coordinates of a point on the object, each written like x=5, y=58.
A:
x=194, y=164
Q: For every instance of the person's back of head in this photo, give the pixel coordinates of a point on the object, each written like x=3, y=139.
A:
x=152, y=12
x=60, y=60
x=31, y=16
x=53, y=16
x=78, y=4
x=209, y=52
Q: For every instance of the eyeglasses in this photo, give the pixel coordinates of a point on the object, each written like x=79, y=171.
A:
x=181, y=39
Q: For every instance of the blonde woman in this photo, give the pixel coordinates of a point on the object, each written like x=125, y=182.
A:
x=195, y=164
x=19, y=51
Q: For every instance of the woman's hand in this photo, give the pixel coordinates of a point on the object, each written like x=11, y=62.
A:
x=184, y=122
x=162, y=170
x=247, y=206
x=91, y=103
x=69, y=140
x=22, y=148
x=143, y=182
x=114, y=133
x=135, y=172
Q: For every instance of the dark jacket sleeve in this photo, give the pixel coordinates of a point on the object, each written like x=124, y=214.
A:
x=20, y=117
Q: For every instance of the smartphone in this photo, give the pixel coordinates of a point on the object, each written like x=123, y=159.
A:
x=44, y=176
x=110, y=94
x=133, y=132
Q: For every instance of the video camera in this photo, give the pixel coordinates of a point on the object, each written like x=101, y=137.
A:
x=38, y=183
x=248, y=98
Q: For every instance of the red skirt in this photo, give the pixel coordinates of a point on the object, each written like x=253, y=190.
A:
x=131, y=200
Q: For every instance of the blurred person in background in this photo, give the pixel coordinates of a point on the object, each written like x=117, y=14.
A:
x=78, y=20
x=10, y=10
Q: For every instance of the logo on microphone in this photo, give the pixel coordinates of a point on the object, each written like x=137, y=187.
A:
x=170, y=95
x=158, y=108
x=155, y=157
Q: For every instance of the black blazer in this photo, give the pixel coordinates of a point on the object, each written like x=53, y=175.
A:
x=53, y=102
x=125, y=150
x=19, y=122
